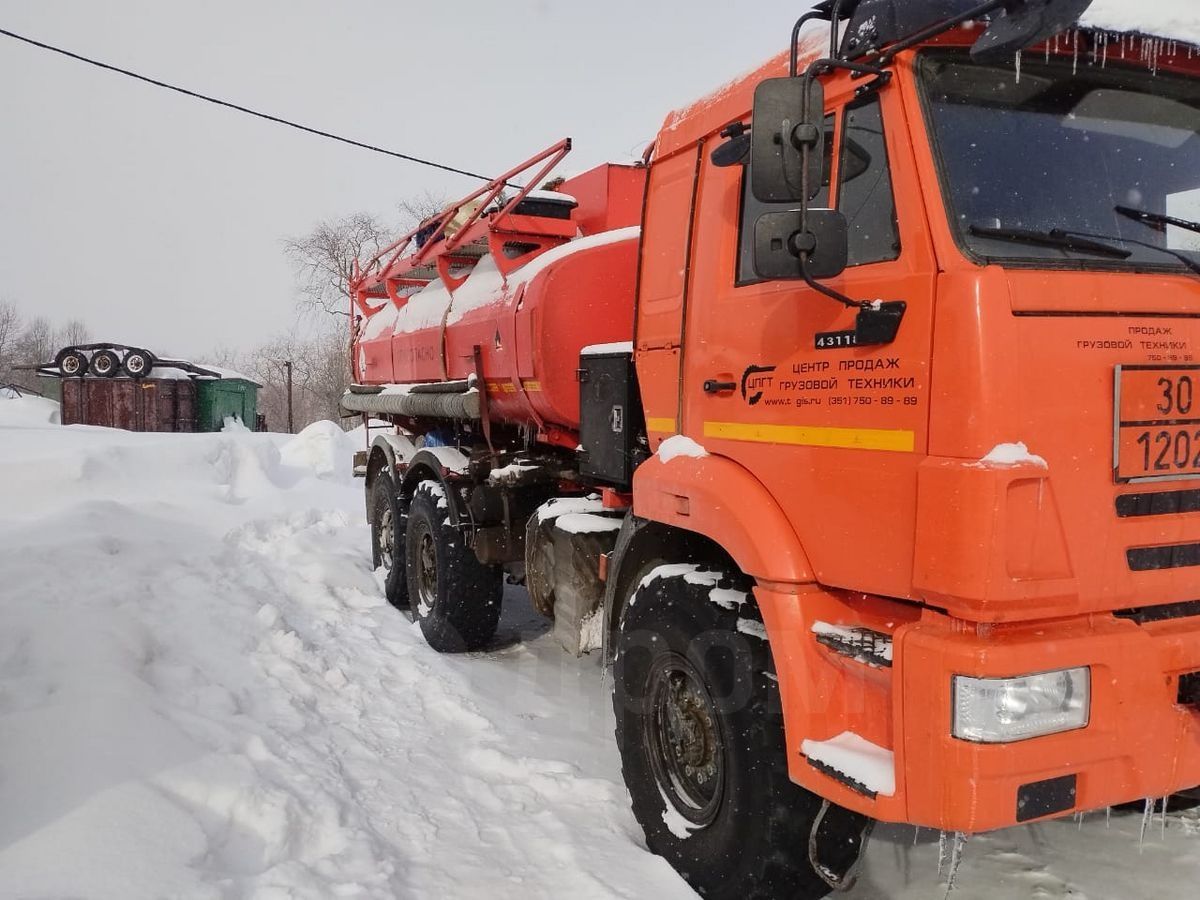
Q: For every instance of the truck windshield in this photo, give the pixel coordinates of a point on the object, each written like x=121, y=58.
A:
x=1064, y=149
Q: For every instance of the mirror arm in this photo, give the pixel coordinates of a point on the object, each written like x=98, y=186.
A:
x=800, y=23
x=827, y=291
x=835, y=17
x=816, y=69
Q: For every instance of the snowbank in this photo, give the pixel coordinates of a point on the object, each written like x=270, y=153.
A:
x=27, y=410
x=322, y=448
x=203, y=694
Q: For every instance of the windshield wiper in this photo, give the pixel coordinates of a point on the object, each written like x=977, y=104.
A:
x=1082, y=242
x=1152, y=218
x=1190, y=261
x=1055, y=238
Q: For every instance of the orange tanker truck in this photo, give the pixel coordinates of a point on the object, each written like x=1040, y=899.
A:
x=858, y=427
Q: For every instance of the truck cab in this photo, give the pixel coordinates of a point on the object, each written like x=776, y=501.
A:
x=1003, y=490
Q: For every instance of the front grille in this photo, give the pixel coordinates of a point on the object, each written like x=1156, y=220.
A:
x=1161, y=503
x=1175, y=556
x=1144, y=614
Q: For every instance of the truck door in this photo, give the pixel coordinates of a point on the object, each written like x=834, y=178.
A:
x=772, y=378
x=663, y=289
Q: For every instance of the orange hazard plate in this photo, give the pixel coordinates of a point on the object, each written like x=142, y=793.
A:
x=1157, y=423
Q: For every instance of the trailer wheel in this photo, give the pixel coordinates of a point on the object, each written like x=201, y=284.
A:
x=137, y=363
x=452, y=595
x=700, y=733
x=387, y=539
x=71, y=363
x=105, y=363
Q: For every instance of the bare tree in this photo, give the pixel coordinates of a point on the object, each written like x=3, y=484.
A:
x=75, y=331
x=10, y=325
x=417, y=209
x=38, y=342
x=319, y=354
x=324, y=260
x=24, y=344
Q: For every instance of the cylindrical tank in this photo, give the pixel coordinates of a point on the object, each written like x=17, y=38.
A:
x=530, y=328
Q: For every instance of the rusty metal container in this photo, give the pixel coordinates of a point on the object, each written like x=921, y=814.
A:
x=153, y=404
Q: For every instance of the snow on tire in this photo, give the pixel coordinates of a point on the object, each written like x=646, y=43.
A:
x=452, y=595
x=388, y=539
x=700, y=732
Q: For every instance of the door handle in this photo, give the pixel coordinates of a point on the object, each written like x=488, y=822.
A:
x=712, y=386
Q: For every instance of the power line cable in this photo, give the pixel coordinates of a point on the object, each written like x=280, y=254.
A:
x=242, y=109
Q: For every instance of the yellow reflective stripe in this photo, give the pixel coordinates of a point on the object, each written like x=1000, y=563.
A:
x=660, y=426
x=532, y=386
x=814, y=436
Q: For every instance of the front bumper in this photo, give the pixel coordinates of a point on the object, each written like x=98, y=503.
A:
x=1142, y=740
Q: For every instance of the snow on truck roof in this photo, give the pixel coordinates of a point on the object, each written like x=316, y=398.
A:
x=1171, y=19
x=484, y=286
x=1177, y=20
x=170, y=373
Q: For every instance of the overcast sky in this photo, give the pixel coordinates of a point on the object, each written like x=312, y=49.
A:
x=158, y=219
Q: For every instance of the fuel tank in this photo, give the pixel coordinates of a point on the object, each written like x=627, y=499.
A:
x=519, y=329
x=529, y=328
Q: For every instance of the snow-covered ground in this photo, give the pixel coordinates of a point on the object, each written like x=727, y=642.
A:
x=204, y=695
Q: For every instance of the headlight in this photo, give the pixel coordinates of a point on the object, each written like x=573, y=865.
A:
x=1002, y=710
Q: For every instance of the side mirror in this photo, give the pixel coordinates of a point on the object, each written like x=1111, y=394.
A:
x=784, y=249
x=788, y=135
x=1029, y=23
x=734, y=151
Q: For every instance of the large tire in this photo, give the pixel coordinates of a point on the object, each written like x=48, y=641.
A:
x=388, y=539
x=452, y=595
x=137, y=363
x=105, y=364
x=71, y=363
x=700, y=733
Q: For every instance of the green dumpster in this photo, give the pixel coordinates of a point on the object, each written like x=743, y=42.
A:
x=225, y=398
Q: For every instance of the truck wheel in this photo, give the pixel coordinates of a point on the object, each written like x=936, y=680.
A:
x=387, y=539
x=105, y=364
x=453, y=596
x=71, y=363
x=703, y=754
x=137, y=363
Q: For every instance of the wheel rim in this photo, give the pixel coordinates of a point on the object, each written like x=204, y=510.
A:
x=135, y=363
x=426, y=573
x=70, y=365
x=387, y=538
x=102, y=364
x=684, y=741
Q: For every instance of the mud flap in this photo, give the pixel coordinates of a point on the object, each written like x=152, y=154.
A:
x=562, y=572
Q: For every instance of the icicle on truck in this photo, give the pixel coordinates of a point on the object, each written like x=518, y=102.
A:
x=859, y=427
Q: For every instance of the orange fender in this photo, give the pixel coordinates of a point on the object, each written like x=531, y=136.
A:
x=717, y=498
